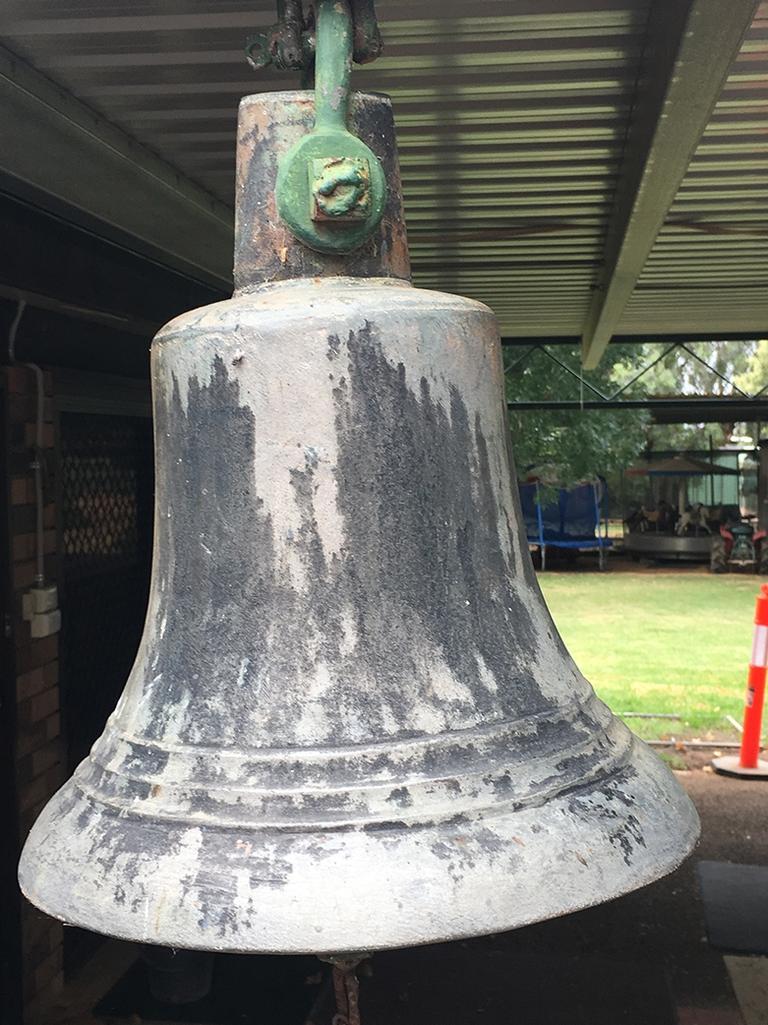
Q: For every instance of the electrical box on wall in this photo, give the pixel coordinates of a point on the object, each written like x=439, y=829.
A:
x=39, y=607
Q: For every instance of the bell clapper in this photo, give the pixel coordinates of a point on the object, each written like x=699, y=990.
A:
x=346, y=986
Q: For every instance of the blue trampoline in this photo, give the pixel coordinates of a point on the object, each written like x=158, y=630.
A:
x=575, y=520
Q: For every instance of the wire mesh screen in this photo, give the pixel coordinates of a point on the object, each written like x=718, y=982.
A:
x=106, y=540
x=581, y=511
x=102, y=470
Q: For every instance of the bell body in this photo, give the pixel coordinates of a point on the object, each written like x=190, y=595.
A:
x=351, y=723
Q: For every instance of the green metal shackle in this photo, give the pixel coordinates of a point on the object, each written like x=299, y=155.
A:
x=330, y=186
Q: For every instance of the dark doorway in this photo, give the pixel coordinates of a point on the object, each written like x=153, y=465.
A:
x=10, y=925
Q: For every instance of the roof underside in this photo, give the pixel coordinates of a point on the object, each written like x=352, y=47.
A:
x=515, y=125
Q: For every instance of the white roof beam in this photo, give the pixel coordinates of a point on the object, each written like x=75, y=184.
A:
x=690, y=48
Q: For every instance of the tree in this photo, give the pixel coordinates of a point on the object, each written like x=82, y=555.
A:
x=754, y=377
x=572, y=445
x=732, y=365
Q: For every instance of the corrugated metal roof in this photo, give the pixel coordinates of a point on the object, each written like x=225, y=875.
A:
x=512, y=120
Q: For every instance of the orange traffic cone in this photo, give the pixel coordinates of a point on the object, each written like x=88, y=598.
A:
x=748, y=763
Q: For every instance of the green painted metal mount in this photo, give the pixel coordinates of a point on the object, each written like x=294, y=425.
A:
x=330, y=187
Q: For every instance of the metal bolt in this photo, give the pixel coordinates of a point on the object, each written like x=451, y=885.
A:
x=341, y=189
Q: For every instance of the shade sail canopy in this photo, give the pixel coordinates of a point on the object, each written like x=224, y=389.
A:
x=680, y=466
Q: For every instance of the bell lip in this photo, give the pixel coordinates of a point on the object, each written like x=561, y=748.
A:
x=580, y=888
x=373, y=948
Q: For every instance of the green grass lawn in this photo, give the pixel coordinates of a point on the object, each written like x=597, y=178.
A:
x=660, y=642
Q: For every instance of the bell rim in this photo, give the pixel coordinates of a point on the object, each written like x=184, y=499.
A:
x=448, y=902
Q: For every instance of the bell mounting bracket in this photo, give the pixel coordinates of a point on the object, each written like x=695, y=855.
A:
x=330, y=188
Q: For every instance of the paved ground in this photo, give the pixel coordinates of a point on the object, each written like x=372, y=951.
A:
x=640, y=960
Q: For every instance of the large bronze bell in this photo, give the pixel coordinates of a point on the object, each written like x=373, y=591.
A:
x=351, y=723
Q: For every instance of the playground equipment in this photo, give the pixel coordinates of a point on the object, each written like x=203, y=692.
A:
x=664, y=532
x=575, y=520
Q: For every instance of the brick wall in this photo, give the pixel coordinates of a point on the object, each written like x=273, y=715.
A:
x=39, y=748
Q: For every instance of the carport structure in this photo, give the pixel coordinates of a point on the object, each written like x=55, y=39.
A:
x=593, y=170
x=589, y=168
